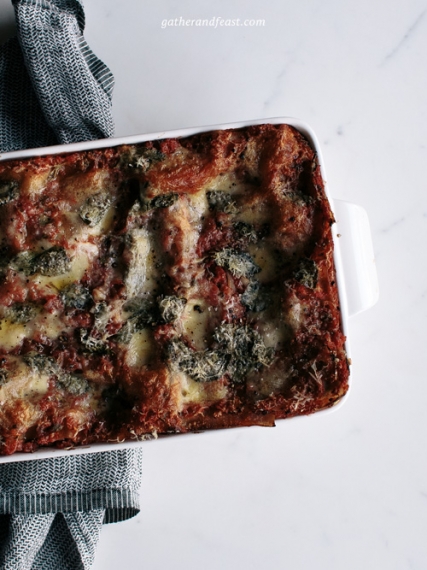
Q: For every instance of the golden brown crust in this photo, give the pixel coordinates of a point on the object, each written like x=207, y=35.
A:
x=166, y=287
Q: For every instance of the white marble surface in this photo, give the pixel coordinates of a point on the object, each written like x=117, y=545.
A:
x=347, y=490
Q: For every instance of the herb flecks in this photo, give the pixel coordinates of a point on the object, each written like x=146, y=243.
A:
x=245, y=348
x=237, y=351
x=49, y=263
x=307, y=273
x=246, y=231
x=75, y=384
x=142, y=158
x=9, y=191
x=94, y=209
x=21, y=313
x=92, y=344
x=171, y=308
x=201, y=366
x=255, y=298
x=76, y=296
x=221, y=201
x=238, y=263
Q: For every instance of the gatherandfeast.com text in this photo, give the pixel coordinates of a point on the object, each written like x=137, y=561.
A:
x=215, y=22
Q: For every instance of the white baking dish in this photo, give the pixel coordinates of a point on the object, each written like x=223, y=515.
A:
x=354, y=256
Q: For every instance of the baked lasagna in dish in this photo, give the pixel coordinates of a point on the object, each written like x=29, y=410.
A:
x=170, y=286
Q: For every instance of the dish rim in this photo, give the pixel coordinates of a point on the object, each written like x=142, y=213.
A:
x=303, y=128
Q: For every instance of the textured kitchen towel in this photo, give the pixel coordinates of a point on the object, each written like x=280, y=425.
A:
x=54, y=90
x=52, y=87
x=53, y=509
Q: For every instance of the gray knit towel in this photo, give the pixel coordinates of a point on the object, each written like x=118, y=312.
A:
x=54, y=508
x=54, y=89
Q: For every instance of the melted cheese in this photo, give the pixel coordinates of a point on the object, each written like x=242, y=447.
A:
x=256, y=213
x=80, y=186
x=49, y=325
x=142, y=272
x=23, y=383
x=11, y=334
x=265, y=261
x=271, y=381
x=272, y=330
x=227, y=181
x=36, y=182
x=139, y=349
x=192, y=392
x=186, y=214
x=199, y=206
x=83, y=231
x=45, y=324
x=195, y=322
x=296, y=313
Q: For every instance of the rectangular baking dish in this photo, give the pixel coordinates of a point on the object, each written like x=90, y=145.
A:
x=353, y=250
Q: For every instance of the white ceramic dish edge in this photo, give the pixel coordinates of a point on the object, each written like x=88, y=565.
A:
x=353, y=254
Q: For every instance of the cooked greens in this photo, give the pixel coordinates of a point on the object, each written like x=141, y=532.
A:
x=161, y=201
x=21, y=313
x=246, y=231
x=9, y=190
x=307, y=273
x=76, y=296
x=41, y=364
x=74, y=383
x=245, y=348
x=202, y=366
x=142, y=312
x=142, y=158
x=220, y=201
x=52, y=262
x=94, y=209
x=237, y=351
x=239, y=263
x=255, y=297
x=4, y=377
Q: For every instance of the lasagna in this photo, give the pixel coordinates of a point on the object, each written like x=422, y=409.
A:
x=170, y=286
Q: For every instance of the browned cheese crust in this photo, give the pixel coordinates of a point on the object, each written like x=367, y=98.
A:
x=171, y=286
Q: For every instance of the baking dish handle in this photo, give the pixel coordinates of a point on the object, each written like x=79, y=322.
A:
x=357, y=256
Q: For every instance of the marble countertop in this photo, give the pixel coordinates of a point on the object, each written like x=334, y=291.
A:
x=345, y=490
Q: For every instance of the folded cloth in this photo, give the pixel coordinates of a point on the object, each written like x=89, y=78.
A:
x=63, y=92
x=56, y=507
x=53, y=89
